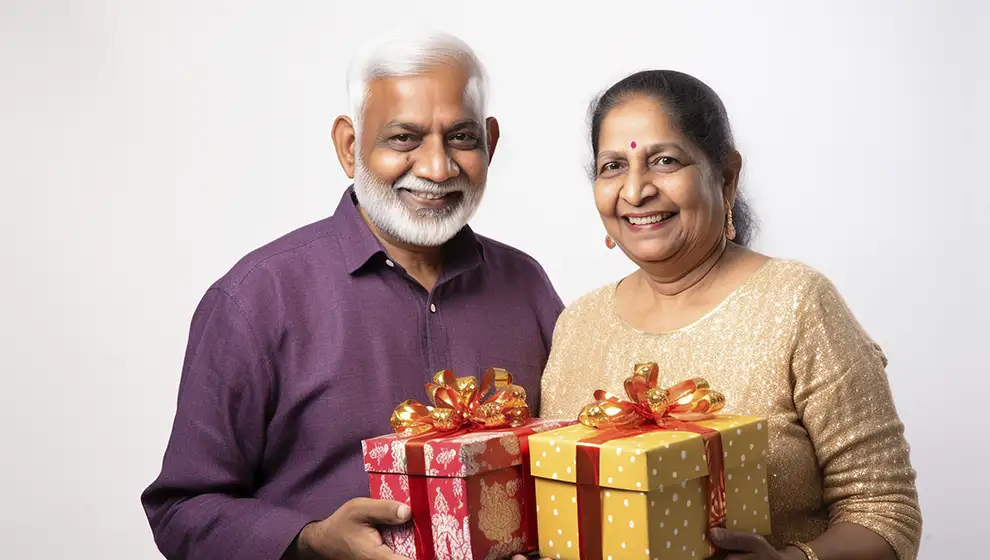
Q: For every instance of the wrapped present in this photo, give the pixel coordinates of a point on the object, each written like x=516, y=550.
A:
x=462, y=465
x=649, y=476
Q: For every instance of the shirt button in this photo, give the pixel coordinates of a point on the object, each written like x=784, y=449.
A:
x=433, y=308
x=390, y=263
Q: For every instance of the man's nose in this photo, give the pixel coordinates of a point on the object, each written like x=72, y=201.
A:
x=434, y=163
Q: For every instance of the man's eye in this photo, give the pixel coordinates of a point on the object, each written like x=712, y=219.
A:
x=463, y=140
x=403, y=142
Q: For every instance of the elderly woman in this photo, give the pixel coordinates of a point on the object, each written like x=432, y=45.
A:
x=773, y=335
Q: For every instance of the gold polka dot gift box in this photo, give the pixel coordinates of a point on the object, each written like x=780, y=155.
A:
x=647, y=477
x=462, y=466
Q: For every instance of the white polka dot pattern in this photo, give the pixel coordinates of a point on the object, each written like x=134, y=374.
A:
x=646, y=505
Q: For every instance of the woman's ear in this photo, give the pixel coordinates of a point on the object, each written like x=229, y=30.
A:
x=730, y=177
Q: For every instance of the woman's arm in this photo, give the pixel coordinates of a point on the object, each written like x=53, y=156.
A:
x=843, y=398
x=559, y=389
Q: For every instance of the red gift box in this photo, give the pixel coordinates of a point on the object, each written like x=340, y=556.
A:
x=481, y=504
x=462, y=465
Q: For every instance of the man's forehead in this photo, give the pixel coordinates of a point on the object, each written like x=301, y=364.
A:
x=437, y=95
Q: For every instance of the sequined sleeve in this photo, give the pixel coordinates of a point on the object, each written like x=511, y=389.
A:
x=843, y=397
x=554, y=390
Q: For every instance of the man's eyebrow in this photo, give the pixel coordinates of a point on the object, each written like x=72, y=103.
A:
x=411, y=127
x=465, y=124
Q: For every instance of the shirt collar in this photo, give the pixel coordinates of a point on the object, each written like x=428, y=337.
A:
x=360, y=247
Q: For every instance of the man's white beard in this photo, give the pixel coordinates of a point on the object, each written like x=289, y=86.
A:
x=423, y=227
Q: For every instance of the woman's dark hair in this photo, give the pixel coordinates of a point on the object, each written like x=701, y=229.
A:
x=694, y=109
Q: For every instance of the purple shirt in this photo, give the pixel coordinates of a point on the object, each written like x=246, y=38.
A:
x=301, y=351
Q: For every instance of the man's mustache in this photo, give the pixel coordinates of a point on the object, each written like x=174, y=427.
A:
x=413, y=183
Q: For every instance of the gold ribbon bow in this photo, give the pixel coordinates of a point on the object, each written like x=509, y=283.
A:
x=688, y=401
x=457, y=403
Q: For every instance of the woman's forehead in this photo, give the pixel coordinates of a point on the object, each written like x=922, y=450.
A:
x=639, y=120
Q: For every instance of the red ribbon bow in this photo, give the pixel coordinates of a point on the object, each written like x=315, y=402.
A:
x=687, y=401
x=457, y=404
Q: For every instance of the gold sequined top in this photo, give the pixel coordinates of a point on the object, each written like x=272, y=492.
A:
x=785, y=346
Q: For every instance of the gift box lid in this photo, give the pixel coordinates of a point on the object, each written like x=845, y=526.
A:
x=650, y=460
x=462, y=455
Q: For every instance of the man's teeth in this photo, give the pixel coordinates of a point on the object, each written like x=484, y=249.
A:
x=647, y=220
x=428, y=195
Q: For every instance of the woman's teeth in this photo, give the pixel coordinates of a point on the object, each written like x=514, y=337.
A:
x=647, y=220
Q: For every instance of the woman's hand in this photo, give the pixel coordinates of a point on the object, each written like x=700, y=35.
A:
x=747, y=546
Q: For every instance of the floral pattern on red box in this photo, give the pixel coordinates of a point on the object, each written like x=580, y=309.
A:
x=476, y=490
x=476, y=517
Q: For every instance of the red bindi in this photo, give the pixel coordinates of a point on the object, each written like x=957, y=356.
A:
x=633, y=144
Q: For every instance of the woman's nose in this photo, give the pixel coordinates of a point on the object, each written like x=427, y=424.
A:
x=637, y=188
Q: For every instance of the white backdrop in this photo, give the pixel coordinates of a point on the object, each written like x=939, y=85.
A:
x=146, y=146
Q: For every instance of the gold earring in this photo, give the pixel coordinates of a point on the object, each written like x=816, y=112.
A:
x=609, y=242
x=730, y=229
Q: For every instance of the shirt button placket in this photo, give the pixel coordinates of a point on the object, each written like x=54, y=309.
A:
x=434, y=337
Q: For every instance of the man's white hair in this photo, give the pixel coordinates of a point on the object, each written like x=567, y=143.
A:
x=409, y=55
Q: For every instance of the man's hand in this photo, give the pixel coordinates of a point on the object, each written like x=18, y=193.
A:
x=747, y=546
x=350, y=533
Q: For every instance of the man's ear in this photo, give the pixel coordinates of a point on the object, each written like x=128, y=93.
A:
x=345, y=143
x=492, y=125
x=730, y=177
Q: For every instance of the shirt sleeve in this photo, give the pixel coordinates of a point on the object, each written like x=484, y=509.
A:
x=843, y=398
x=550, y=306
x=201, y=504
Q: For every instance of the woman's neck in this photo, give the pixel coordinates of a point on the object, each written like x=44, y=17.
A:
x=666, y=285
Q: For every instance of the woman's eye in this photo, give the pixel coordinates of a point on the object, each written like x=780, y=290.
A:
x=665, y=160
x=610, y=166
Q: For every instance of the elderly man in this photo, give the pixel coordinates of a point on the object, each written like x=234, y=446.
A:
x=303, y=349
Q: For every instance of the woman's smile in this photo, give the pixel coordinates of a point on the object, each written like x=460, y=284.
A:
x=648, y=221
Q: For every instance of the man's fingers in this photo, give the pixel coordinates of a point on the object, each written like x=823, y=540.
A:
x=741, y=542
x=378, y=512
